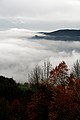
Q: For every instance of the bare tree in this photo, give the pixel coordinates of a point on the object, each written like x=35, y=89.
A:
x=35, y=75
x=40, y=73
x=76, y=69
x=46, y=71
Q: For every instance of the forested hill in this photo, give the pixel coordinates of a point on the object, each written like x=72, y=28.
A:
x=64, y=32
x=63, y=35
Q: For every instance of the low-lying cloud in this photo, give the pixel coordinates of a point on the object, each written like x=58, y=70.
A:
x=19, y=53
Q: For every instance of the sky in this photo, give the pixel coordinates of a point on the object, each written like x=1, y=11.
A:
x=39, y=14
x=20, y=19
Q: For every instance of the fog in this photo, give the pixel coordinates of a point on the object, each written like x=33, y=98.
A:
x=19, y=53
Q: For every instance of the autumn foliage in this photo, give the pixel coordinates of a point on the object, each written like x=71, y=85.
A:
x=58, y=100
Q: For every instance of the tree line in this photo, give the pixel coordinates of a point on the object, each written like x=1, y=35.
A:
x=50, y=94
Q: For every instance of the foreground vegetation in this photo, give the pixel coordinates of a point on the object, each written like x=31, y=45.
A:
x=54, y=96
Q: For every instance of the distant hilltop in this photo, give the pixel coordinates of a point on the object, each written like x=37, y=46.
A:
x=63, y=35
x=64, y=32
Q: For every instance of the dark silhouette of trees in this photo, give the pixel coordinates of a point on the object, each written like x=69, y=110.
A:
x=56, y=99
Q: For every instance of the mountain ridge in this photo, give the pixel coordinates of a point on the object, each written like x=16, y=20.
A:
x=64, y=32
x=63, y=35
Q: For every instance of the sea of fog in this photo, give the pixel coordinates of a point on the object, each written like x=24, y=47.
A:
x=19, y=53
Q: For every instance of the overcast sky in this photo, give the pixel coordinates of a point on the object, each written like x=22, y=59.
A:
x=18, y=53
x=40, y=14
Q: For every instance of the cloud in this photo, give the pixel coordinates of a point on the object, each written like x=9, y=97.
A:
x=18, y=53
x=51, y=10
x=39, y=14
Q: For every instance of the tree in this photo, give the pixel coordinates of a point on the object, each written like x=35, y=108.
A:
x=59, y=75
x=40, y=74
x=45, y=71
x=37, y=109
x=35, y=75
x=76, y=69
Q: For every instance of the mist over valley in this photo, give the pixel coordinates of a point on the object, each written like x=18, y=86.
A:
x=19, y=53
